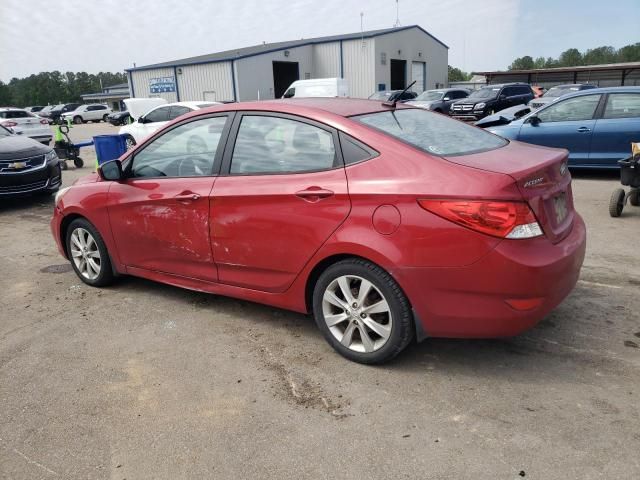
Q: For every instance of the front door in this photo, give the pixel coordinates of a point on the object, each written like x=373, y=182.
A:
x=565, y=124
x=160, y=214
x=284, y=195
x=398, y=74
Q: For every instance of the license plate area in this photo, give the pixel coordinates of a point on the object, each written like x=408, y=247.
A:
x=560, y=207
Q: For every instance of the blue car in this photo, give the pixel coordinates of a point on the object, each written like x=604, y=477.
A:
x=597, y=126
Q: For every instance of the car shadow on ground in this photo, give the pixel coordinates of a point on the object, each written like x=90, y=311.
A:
x=595, y=174
x=30, y=202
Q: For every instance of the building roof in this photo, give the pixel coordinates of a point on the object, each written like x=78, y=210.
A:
x=119, y=85
x=580, y=68
x=238, y=53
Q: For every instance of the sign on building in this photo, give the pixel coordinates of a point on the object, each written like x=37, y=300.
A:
x=162, y=84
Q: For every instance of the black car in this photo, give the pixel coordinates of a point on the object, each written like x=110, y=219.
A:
x=392, y=95
x=490, y=99
x=119, y=118
x=54, y=115
x=27, y=166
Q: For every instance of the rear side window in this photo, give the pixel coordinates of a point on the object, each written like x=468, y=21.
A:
x=431, y=132
x=15, y=114
x=279, y=145
x=571, y=109
x=622, y=105
x=354, y=151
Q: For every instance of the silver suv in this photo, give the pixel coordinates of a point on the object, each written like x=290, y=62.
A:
x=94, y=112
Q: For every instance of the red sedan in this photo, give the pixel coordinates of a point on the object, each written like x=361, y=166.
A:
x=387, y=223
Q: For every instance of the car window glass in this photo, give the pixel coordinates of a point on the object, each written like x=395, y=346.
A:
x=176, y=111
x=279, y=145
x=508, y=91
x=458, y=94
x=158, y=115
x=185, y=151
x=622, y=105
x=17, y=114
x=572, y=109
x=353, y=151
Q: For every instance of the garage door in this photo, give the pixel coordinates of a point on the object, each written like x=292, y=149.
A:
x=418, y=73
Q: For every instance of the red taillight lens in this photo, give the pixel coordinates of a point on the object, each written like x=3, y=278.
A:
x=44, y=122
x=8, y=124
x=496, y=218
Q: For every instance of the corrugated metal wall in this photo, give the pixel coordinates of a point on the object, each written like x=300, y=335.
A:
x=358, y=58
x=141, y=83
x=211, y=82
x=326, y=60
x=550, y=79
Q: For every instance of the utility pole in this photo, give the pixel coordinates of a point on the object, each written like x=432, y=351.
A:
x=397, y=24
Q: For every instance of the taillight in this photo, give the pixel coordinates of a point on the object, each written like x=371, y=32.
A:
x=496, y=218
x=9, y=124
x=44, y=122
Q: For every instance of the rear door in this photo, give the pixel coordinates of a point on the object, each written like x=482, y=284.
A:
x=617, y=127
x=566, y=124
x=283, y=194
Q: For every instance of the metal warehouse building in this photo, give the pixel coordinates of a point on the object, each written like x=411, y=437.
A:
x=369, y=61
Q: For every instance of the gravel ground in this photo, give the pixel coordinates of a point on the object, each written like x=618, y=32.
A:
x=143, y=380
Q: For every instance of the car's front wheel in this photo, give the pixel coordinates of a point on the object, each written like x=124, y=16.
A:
x=88, y=253
x=130, y=142
x=362, y=312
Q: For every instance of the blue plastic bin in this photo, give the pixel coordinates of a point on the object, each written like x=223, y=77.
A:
x=109, y=147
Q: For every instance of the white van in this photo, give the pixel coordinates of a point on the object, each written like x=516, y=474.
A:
x=318, y=87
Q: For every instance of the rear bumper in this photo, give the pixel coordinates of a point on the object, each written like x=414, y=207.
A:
x=471, y=301
x=47, y=179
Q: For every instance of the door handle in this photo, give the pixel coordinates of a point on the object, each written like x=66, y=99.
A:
x=313, y=194
x=187, y=197
x=584, y=129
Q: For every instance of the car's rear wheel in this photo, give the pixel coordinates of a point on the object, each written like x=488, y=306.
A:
x=77, y=120
x=616, y=202
x=88, y=253
x=362, y=312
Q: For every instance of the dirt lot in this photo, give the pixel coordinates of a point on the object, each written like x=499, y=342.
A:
x=142, y=380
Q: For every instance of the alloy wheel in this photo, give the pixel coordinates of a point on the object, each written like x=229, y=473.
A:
x=85, y=253
x=357, y=313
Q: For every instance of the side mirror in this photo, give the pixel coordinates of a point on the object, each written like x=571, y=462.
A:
x=111, y=170
x=446, y=99
x=141, y=120
x=534, y=120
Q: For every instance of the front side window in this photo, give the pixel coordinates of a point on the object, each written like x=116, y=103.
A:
x=177, y=110
x=158, y=115
x=188, y=150
x=572, y=109
x=622, y=105
x=484, y=93
x=267, y=145
x=433, y=133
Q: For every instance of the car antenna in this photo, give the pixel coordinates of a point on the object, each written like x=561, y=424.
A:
x=393, y=104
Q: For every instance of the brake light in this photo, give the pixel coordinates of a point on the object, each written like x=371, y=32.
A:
x=497, y=218
x=9, y=124
x=44, y=122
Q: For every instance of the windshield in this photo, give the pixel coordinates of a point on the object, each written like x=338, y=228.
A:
x=430, y=96
x=431, y=132
x=4, y=132
x=485, y=92
x=559, y=91
x=381, y=95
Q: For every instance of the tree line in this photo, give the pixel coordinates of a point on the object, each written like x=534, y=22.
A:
x=50, y=88
x=574, y=58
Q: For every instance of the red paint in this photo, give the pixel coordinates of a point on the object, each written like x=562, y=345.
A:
x=260, y=237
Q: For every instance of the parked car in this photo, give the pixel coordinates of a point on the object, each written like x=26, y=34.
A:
x=559, y=91
x=318, y=87
x=44, y=113
x=391, y=95
x=149, y=121
x=411, y=224
x=55, y=114
x=94, y=112
x=119, y=118
x=438, y=100
x=490, y=99
x=504, y=117
x=27, y=166
x=25, y=123
x=33, y=109
x=597, y=126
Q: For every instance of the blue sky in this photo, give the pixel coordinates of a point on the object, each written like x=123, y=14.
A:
x=109, y=35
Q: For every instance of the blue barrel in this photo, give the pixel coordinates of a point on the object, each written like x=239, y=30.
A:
x=109, y=147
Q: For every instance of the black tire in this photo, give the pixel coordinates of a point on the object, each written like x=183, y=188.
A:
x=77, y=120
x=402, y=328
x=130, y=142
x=78, y=162
x=105, y=118
x=616, y=203
x=105, y=276
x=634, y=197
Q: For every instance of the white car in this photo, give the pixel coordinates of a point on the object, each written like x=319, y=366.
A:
x=94, y=112
x=25, y=123
x=149, y=116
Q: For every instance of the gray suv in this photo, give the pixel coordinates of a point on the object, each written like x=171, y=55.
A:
x=439, y=100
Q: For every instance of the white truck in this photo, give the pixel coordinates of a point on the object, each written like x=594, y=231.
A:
x=318, y=87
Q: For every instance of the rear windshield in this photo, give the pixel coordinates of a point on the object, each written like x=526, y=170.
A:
x=431, y=132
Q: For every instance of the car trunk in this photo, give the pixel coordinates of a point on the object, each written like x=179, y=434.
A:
x=542, y=178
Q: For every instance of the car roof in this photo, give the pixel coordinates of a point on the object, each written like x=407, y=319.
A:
x=189, y=104
x=593, y=91
x=500, y=85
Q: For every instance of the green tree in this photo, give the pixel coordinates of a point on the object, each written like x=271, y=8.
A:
x=629, y=53
x=457, y=75
x=539, y=62
x=570, y=58
x=600, y=55
x=522, y=63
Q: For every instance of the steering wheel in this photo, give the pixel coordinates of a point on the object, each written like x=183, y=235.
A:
x=193, y=166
